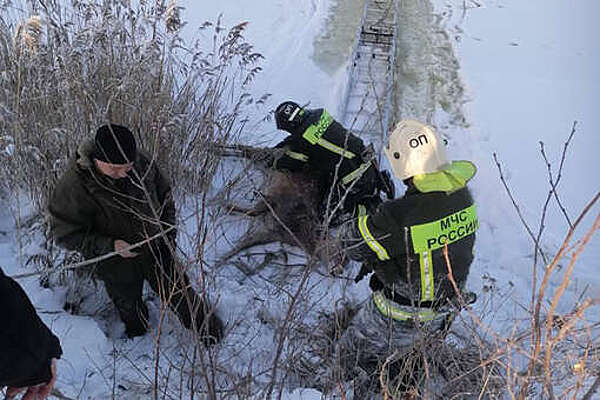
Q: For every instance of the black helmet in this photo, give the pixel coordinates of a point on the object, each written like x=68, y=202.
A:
x=288, y=116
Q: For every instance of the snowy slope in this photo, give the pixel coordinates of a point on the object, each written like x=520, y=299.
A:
x=283, y=32
x=530, y=70
x=527, y=67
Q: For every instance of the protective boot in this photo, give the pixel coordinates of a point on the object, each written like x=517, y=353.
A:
x=207, y=324
x=211, y=330
x=135, y=317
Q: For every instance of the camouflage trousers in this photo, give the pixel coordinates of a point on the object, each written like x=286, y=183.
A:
x=372, y=339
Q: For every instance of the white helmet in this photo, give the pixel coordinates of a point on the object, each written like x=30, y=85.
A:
x=414, y=149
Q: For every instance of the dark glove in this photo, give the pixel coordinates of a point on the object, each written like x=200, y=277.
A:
x=368, y=154
x=365, y=269
x=469, y=297
x=266, y=158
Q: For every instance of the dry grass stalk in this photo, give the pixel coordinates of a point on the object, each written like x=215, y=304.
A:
x=28, y=34
x=105, y=65
x=172, y=17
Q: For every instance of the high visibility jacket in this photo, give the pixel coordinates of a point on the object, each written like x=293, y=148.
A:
x=404, y=240
x=323, y=148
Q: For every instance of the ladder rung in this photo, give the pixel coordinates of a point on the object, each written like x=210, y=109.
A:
x=386, y=40
x=371, y=58
x=371, y=68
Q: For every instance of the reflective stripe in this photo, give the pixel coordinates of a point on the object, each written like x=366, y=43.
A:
x=356, y=173
x=450, y=179
x=427, y=292
x=296, y=111
x=434, y=235
x=335, y=149
x=370, y=240
x=362, y=210
x=296, y=156
x=314, y=132
x=390, y=310
x=314, y=135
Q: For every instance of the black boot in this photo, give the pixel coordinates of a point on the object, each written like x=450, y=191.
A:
x=211, y=330
x=208, y=325
x=135, y=317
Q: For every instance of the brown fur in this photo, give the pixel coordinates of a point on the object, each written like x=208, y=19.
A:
x=287, y=212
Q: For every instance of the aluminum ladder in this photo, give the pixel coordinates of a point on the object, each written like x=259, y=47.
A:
x=368, y=96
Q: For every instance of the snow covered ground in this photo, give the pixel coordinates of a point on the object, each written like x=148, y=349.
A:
x=528, y=68
x=528, y=71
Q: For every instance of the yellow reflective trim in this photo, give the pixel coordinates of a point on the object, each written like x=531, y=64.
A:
x=356, y=173
x=449, y=180
x=335, y=149
x=427, y=292
x=388, y=309
x=435, y=235
x=313, y=133
x=296, y=156
x=370, y=240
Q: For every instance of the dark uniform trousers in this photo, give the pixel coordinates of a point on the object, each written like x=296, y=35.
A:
x=124, y=280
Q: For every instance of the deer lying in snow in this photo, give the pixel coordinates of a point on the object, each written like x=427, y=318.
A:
x=287, y=212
